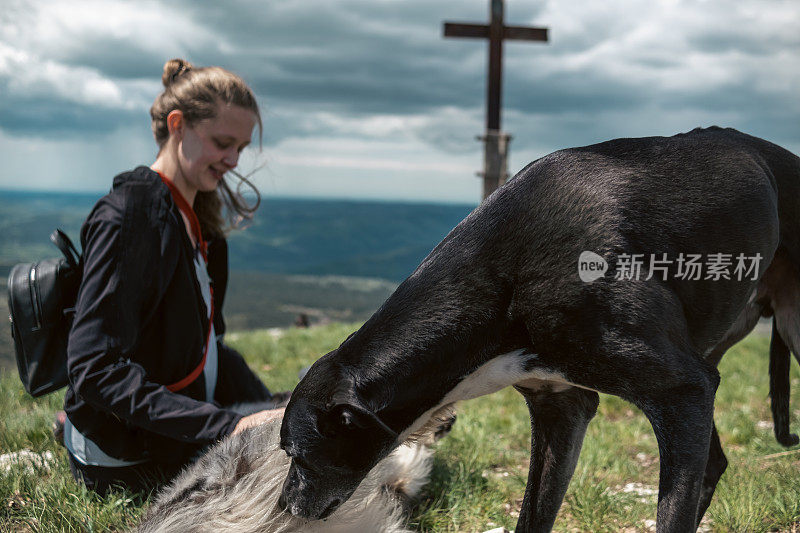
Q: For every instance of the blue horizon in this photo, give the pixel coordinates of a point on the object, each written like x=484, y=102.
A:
x=264, y=198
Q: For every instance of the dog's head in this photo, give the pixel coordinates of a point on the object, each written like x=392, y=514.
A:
x=333, y=440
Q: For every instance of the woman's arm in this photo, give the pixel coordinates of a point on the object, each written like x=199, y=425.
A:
x=124, y=266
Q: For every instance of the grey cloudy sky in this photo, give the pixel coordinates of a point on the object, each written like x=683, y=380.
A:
x=366, y=99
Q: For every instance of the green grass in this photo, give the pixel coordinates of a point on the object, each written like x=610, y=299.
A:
x=480, y=470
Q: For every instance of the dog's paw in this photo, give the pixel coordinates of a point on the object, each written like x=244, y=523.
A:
x=789, y=439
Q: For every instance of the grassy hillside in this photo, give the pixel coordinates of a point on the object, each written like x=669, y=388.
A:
x=480, y=469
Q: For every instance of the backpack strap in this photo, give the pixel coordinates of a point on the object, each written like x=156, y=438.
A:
x=60, y=239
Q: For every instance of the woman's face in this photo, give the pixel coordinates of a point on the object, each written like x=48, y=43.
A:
x=211, y=147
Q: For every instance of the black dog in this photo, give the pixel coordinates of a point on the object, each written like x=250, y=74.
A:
x=500, y=302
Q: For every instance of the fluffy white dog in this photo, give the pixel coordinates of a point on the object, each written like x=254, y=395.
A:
x=235, y=485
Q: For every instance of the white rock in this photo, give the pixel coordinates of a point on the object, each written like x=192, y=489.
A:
x=29, y=461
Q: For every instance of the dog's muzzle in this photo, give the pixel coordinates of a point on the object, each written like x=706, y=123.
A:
x=299, y=499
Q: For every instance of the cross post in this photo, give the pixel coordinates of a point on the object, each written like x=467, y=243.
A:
x=495, y=162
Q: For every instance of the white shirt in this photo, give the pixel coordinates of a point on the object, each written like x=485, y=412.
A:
x=210, y=370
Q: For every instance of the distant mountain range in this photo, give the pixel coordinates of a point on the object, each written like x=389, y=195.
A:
x=328, y=259
x=288, y=236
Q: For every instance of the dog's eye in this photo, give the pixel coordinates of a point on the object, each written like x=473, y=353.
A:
x=346, y=419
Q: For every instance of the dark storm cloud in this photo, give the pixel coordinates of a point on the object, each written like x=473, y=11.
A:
x=572, y=91
x=115, y=58
x=364, y=57
x=744, y=38
x=358, y=58
x=51, y=115
x=53, y=119
x=354, y=56
x=722, y=42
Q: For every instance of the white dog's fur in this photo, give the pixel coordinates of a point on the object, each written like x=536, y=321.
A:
x=235, y=487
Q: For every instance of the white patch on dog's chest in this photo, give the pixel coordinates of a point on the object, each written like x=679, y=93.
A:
x=496, y=374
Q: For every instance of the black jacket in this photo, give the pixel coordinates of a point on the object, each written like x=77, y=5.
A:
x=140, y=324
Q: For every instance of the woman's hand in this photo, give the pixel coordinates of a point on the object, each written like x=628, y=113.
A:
x=261, y=417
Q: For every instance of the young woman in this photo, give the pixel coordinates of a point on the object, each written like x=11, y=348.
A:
x=149, y=374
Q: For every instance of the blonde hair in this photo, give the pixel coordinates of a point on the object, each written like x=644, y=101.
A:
x=197, y=93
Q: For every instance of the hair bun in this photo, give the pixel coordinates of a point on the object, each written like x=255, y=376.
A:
x=174, y=68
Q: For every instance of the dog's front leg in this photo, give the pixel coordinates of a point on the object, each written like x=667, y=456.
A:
x=558, y=425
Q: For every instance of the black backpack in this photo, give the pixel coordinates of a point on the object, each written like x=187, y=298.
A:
x=41, y=299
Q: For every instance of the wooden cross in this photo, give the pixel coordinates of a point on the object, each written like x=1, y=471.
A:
x=496, y=142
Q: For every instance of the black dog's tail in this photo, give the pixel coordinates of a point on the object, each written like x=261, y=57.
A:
x=779, y=387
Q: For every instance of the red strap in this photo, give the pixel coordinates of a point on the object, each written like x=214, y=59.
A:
x=194, y=223
x=187, y=210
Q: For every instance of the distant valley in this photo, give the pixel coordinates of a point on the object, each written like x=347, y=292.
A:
x=288, y=236
x=331, y=260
